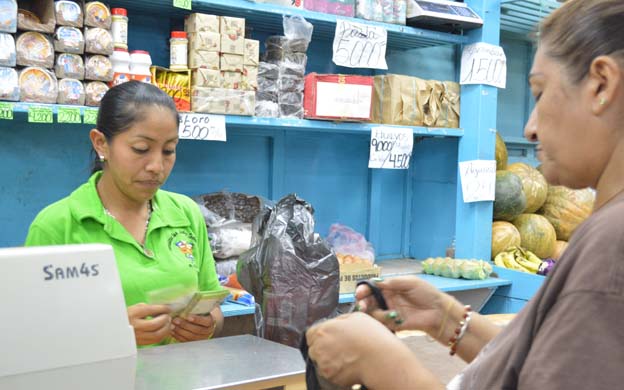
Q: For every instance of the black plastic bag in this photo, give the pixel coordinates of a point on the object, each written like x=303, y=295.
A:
x=290, y=270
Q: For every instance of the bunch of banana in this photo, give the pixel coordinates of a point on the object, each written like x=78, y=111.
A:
x=518, y=259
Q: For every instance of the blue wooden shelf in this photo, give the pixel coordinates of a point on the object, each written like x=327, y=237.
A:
x=291, y=125
x=522, y=16
x=265, y=17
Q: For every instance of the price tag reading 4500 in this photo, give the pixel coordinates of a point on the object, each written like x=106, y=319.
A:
x=203, y=127
x=391, y=147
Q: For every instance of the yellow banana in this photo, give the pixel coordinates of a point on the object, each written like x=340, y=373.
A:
x=513, y=264
x=529, y=265
x=532, y=257
x=498, y=260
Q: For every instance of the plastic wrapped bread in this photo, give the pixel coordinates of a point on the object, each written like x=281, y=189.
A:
x=99, y=41
x=9, y=84
x=7, y=50
x=38, y=85
x=69, y=40
x=41, y=20
x=69, y=66
x=98, y=68
x=97, y=14
x=68, y=13
x=8, y=16
x=34, y=49
x=71, y=91
x=94, y=92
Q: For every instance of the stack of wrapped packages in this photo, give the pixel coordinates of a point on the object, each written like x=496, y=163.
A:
x=387, y=11
x=224, y=65
x=334, y=7
x=281, y=74
x=411, y=101
x=53, y=53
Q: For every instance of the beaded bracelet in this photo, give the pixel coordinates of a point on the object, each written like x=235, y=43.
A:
x=460, y=331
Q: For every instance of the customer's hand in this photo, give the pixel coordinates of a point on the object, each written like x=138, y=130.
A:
x=151, y=323
x=194, y=327
x=417, y=305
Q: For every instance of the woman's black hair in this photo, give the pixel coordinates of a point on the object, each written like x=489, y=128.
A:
x=123, y=105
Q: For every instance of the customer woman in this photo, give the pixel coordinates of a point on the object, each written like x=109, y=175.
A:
x=570, y=335
x=159, y=238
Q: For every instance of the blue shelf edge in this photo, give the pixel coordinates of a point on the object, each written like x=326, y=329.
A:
x=305, y=125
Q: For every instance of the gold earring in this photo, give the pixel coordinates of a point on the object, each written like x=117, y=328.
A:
x=603, y=101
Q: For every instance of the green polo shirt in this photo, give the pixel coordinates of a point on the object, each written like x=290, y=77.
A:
x=177, y=252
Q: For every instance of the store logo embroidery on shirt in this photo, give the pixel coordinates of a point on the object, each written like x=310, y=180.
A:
x=186, y=248
x=185, y=243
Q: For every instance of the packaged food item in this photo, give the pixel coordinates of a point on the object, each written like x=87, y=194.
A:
x=292, y=111
x=291, y=69
x=250, y=78
x=7, y=50
x=204, y=41
x=196, y=22
x=399, y=11
x=231, y=80
x=178, y=53
x=8, y=16
x=204, y=59
x=232, y=44
x=119, y=27
x=267, y=85
x=140, y=62
x=98, y=41
x=34, y=49
x=266, y=109
x=121, y=66
x=71, y=91
x=252, y=52
x=94, y=92
x=98, y=68
x=334, y=7
x=36, y=16
x=231, y=26
x=338, y=97
x=400, y=100
x=97, y=14
x=268, y=71
x=69, y=66
x=207, y=78
x=38, y=85
x=9, y=84
x=69, y=40
x=240, y=102
x=176, y=84
x=290, y=84
x=208, y=100
x=449, y=105
x=369, y=10
x=266, y=96
x=68, y=13
x=231, y=62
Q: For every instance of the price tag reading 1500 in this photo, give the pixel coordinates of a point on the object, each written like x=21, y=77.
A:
x=202, y=127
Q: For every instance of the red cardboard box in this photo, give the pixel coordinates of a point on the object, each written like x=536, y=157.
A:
x=338, y=97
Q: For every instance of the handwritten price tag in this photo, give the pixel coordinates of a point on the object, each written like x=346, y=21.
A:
x=6, y=111
x=391, y=147
x=186, y=4
x=482, y=63
x=358, y=45
x=90, y=116
x=40, y=115
x=68, y=115
x=478, y=180
x=203, y=127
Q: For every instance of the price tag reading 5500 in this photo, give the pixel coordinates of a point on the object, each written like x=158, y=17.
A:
x=203, y=127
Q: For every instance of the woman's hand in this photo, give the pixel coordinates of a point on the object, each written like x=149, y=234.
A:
x=197, y=327
x=413, y=304
x=151, y=323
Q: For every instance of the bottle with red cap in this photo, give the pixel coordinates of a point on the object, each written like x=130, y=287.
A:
x=178, y=53
x=140, y=62
x=119, y=27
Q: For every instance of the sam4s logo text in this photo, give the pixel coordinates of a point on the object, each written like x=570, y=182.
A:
x=84, y=270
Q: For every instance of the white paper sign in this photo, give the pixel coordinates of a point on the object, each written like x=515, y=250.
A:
x=358, y=45
x=203, y=127
x=478, y=180
x=391, y=147
x=344, y=100
x=483, y=63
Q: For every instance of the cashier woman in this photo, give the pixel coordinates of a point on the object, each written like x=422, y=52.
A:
x=159, y=238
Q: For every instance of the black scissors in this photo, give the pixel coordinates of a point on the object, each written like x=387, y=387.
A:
x=315, y=382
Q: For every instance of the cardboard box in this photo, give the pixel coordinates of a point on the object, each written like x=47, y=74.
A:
x=231, y=62
x=231, y=26
x=206, y=78
x=252, y=52
x=196, y=22
x=338, y=97
x=232, y=44
x=204, y=59
x=231, y=80
x=250, y=78
x=42, y=9
x=204, y=41
x=176, y=84
x=350, y=274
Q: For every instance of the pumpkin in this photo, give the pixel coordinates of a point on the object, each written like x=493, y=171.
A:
x=500, y=153
x=534, y=185
x=566, y=208
x=536, y=234
x=560, y=246
x=509, y=199
x=504, y=235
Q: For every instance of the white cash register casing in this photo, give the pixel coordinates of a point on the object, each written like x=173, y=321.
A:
x=64, y=321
